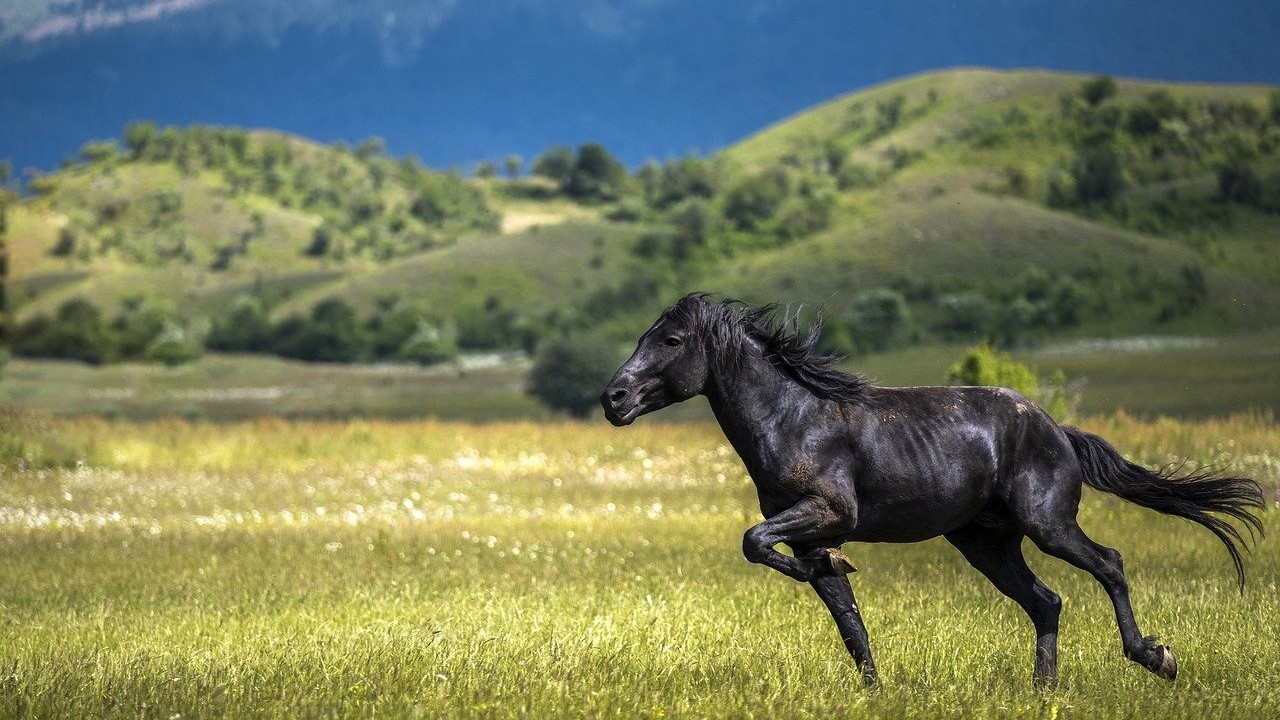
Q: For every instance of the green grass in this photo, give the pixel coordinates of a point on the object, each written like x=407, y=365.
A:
x=442, y=570
x=229, y=387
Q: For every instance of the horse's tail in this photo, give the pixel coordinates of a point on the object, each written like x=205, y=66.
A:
x=1207, y=497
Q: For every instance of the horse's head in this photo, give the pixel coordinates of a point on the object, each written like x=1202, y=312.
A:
x=668, y=366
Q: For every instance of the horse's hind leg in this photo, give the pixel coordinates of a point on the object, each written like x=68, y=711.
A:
x=1071, y=544
x=997, y=554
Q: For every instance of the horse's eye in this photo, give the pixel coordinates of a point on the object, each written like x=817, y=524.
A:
x=672, y=342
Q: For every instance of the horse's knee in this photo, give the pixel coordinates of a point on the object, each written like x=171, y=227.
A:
x=1051, y=601
x=755, y=544
x=1048, y=610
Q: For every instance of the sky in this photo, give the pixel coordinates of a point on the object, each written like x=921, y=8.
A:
x=457, y=82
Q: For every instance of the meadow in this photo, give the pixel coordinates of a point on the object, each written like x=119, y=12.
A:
x=435, y=569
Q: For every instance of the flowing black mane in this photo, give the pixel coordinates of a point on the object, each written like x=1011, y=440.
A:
x=726, y=323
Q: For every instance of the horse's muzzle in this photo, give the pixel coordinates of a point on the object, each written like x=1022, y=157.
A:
x=621, y=404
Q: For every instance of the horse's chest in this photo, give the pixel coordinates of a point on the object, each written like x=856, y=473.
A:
x=782, y=485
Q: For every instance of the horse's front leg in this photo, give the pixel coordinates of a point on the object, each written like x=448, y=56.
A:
x=838, y=597
x=804, y=525
x=813, y=527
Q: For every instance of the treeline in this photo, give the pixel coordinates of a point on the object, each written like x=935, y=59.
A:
x=1026, y=309
x=332, y=331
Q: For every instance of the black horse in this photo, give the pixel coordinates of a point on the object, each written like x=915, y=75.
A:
x=837, y=459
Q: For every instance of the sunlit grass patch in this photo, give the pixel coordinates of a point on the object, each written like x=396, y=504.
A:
x=273, y=569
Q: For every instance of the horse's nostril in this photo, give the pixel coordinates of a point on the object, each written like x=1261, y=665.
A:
x=617, y=395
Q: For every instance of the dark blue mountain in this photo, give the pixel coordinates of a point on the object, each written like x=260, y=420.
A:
x=459, y=81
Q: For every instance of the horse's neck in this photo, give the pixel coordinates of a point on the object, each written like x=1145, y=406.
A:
x=755, y=404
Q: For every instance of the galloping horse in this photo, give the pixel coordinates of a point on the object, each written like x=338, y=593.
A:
x=836, y=459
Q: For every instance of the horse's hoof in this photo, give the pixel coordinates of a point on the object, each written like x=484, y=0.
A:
x=1168, y=667
x=839, y=562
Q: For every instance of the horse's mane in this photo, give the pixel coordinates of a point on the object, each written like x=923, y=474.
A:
x=727, y=322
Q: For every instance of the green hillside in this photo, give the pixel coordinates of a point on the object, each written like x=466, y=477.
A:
x=963, y=182
x=946, y=207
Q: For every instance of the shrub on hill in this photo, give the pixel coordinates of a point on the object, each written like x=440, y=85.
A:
x=982, y=365
x=876, y=320
x=430, y=344
x=174, y=345
x=76, y=332
x=571, y=370
x=330, y=333
x=140, y=331
x=592, y=174
x=245, y=327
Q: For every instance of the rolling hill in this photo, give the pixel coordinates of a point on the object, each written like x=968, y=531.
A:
x=952, y=205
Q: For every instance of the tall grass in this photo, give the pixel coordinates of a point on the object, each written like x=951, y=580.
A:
x=273, y=569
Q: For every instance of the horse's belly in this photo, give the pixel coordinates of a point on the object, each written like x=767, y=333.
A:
x=913, y=520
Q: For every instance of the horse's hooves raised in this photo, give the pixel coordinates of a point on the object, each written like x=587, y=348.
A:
x=1168, y=667
x=839, y=562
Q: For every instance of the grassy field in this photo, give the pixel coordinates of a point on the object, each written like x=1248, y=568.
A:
x=375, y=569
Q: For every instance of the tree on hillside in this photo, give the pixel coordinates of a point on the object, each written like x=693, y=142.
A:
x=591, y=174
x=243, y=328
x=512, y=165
x=555, y=164
x=330, y=334
x=756, y=199
x=596, y=175
x=570, y=371
x=688, y=177
x=1099, y=90
x=889, y=112
x=1097, y=172
x=138, y=138
x=881, y=319
x=76, y=332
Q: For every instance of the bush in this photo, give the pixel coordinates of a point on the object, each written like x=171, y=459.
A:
x=492, y=325
x=137, y=325
x=1097, y=171
x=430, y=345
x=596, y=175
x=75, y=333
x=1098, y=90
x=983, y=366
x=331, y=334
x=244, y=328
x=1239, y=182
x=556, y=164
x=570, y=372
x=173, y=346
x=880, y=319
x=965, y=315
x=756, y=199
